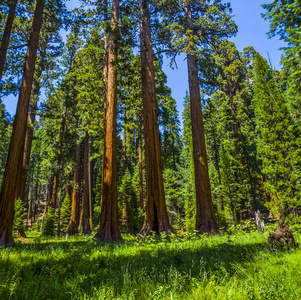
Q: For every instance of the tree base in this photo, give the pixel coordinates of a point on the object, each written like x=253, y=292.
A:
x=6, y=239
x=207, y=228
x=108, y=237
x=148, y=229
x=86, y=227
x=72, y=228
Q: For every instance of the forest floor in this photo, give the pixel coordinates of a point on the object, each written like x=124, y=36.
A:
x=237, y=265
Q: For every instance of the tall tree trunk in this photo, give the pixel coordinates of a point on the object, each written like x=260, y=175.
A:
x=124, y=166
x=31, y=119
x=140, y=164
x=205, y=217
x=124, y=156
x=90, y=152
x=109, y=227
x=6, y=34
x=13, y=168
x=74, y=221
x=85, y=212
x=156, y=218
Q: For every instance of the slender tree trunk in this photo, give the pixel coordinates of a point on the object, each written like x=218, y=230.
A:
x=74, y=221
x=85, y=212
x=90, y=150
x=124, y=156
x=13, y=168
x=140, y=163
x=6, y=34
x=124, y=166
x=205, y=217
x=109, y=227
x=156, y=218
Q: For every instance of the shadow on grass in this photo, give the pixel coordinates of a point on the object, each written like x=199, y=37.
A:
x=68, y=270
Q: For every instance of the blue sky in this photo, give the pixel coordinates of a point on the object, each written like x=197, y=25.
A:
x=252, y=31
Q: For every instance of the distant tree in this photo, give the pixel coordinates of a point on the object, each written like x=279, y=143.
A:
x=65, y=212
x=132, y=219
x=187, y=172
x=275, y=140
x=5, y=131
x=49, y=223
x=284, y=17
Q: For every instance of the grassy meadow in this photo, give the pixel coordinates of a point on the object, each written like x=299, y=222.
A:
x=233, y=265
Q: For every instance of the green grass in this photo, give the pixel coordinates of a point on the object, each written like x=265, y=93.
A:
x=239, y=266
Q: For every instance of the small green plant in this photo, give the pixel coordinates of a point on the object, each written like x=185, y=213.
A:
x=19, y=217
x=66, y=212
x=36, y=225
x=48, y=223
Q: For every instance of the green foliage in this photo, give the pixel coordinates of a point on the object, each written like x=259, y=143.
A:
x=175, y=200
x=48, y=223
x=187, y=169
x=275, y=140
x=37, y=225
x=65, y=212
x=234, y=165
x=131, y=217
x=5, y=132
x=19, y=217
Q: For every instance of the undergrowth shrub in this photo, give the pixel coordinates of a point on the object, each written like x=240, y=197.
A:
x=48, y=223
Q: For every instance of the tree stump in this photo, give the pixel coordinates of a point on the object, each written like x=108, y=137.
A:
x=282, y=237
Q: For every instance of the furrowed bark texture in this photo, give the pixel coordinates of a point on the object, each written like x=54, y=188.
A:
x=6, y=34
x=13, y=168
x=109, y=228
x=21, y=189
x=205, y=217
x=156, y=218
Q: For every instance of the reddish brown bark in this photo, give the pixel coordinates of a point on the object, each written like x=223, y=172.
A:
x=85, y=211
x=140, y=163
x=13, y=168
x=109, y=227
x=20, y=192
x=21, y=189
x=156, y=218
x=124, y=156
x=6, y=34
x=90, y=150
x=205, y=217
x=75, y=197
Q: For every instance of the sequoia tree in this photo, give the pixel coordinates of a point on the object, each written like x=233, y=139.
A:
x=13, y=168
x=156, y=217
x=205, y=217
x=109, y=227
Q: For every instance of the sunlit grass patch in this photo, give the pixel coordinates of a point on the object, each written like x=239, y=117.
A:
x=232, y=266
